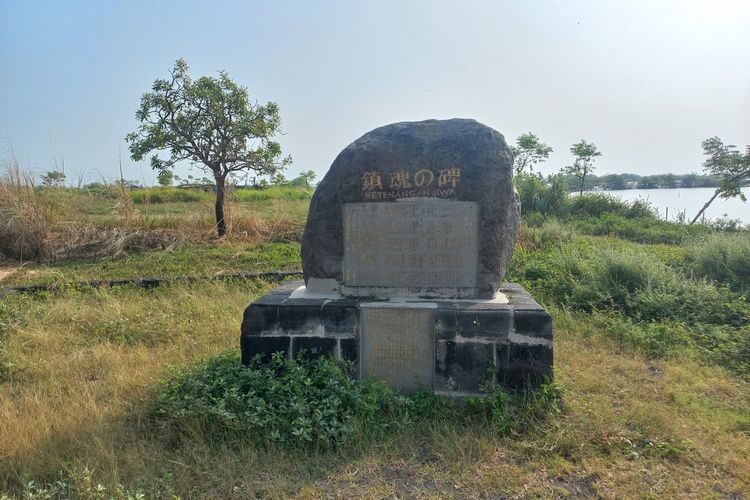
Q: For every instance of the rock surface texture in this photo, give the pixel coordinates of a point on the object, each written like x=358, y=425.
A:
x=450, y=160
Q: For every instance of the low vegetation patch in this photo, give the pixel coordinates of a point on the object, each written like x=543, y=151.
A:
x=273, y=193
x=643, y=296
x=723, y=258
x=317, y=403
x=168, y=195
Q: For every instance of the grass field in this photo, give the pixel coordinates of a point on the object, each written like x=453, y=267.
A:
x=655, y=394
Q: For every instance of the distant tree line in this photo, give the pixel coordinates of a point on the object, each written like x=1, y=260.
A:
x=613, y=182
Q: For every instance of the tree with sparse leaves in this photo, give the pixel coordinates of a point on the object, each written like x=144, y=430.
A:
x=279, y=179
x=53, y=178
x=308, y=176
x=529, y=151
x=211, y=122
x=584, y=153
x=165, y=177
x=733, y=167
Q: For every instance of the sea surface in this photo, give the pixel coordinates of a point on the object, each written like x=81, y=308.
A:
x=671, y=202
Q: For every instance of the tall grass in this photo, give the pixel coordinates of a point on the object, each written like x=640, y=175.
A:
x=538, y=196
x=25, y=217
x=168, y=195
x=724, y=258
x=163, y=194
x=598, y=204
x=273, y=193
x=660, y=306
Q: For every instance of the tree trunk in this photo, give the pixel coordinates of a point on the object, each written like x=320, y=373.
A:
x=583, y=181
x=705, y=206
x=220, y=223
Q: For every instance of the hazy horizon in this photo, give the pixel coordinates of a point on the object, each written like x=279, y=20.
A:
x=645, y=81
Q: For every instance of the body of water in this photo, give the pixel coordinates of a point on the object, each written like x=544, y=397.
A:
x=689, y=201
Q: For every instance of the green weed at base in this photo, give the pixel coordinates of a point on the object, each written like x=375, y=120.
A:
x=317, y=404
x=75, y=483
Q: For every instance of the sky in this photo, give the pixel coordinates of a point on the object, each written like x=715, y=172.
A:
x=644, y=80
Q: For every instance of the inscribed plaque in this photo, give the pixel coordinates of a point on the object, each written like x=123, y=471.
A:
x=426, y=243
x=397, y=346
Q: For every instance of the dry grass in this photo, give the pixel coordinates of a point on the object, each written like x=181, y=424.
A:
x=75, y=374
x=59, y=224
x=25, y=217
x=80, y=368
x=91, y=241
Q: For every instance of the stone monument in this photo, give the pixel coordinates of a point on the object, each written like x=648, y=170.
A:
x=407, y=241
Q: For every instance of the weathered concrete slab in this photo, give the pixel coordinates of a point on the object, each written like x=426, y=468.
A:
x=397, y=345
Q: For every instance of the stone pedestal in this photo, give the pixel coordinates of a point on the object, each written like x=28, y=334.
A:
x=450, y=346
x=407, y=240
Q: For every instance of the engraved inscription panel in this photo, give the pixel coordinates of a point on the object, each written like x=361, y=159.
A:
x=397, y=346
x=426, y=243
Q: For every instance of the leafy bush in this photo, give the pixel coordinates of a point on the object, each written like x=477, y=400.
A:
x=305, y=402
x=282, y=401
x=596, y=205
x=641, y=209
x=593, y=213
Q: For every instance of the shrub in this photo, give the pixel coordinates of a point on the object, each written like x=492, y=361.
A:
x=538, y=196
x=724, y=258
x=284, y=401
x=641, y=209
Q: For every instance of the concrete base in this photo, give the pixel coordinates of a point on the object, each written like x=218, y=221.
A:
x=452, y=347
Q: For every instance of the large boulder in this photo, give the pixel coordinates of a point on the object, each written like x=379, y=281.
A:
x=432, y=161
